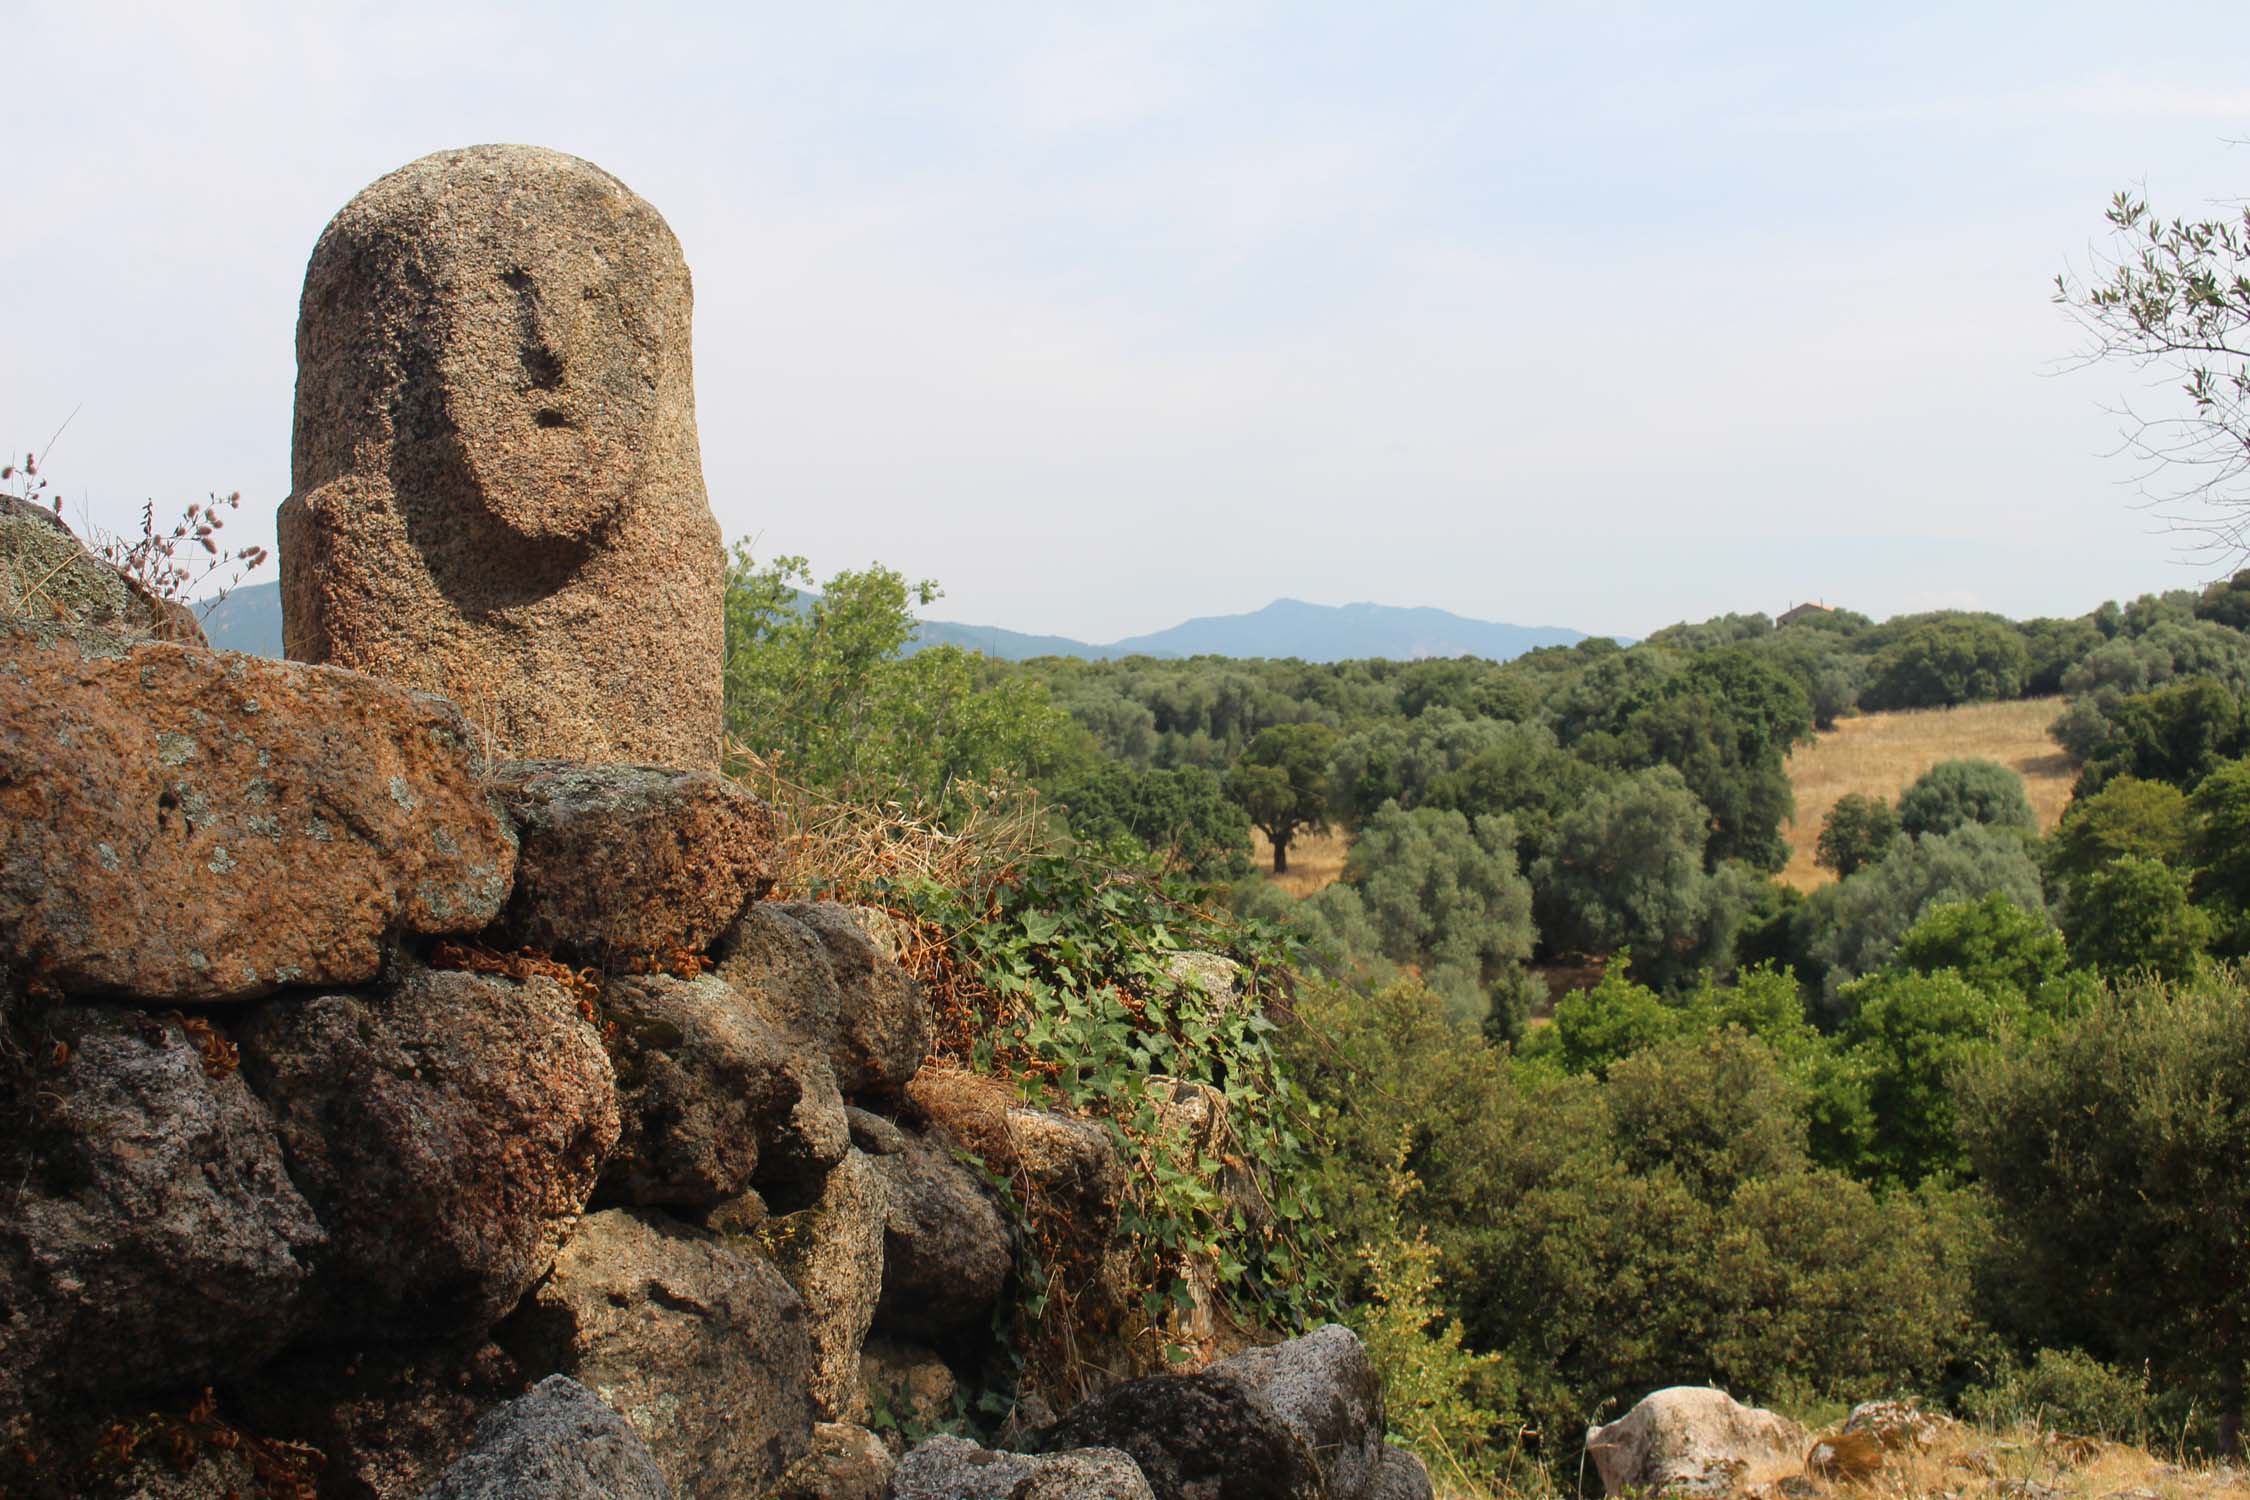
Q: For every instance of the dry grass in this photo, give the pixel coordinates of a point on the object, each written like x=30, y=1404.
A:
x=1880, y=755
x=1971, y=1463
x=1316, y=860
x=827, y=849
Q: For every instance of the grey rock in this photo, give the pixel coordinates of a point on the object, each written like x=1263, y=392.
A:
x=151, y=1233
x=1214, y=974
x=844, y=1463
x=823, y=976
x=1683, y=1434
x=952, y=1468
x=1195, y=1437
x=210, y=1474
x=698, y=1342
x=1301, y=1420
x=48, y=576
x=872, y=1133
x=497, y=494
x=1400, y=1476
x=713, y=1094
x=1325, y=1390
x=832, y=1254
x=556, y=1442
x=907, y=1385
x=1065, y=1166
x=1057, y=1165
x=620, y=861
x=386, y=1418
x=447, y=1129
x=946, y=1253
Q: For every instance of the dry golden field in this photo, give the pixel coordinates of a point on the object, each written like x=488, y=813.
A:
x=1881, y=754
x=1315, y=860
x=1964, y=1462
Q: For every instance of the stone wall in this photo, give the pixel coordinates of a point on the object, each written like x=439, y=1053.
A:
x=356, y=1088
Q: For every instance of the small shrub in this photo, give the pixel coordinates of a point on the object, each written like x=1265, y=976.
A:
x=1856, y=832
x=2066, y=1390
x=1955, y=793
x=1445, y=1402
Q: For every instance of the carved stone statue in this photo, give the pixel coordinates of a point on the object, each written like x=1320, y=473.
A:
x=496, y=490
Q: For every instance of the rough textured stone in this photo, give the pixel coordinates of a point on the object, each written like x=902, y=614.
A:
x=907, y=1385
x=945, y=1246
x=815, y=965
x=211, y=1474
x=1693, y=1436
x=891, y=932
x=193, y=825
x=1058, y=1165
x=1325, y=1390
x=1068, y=1166
x=1215, y=974
x=150, y=1234
x=832, y=1254
x=1192, y=1120
x=1897, y=1424
x=1195, y=1437
x=700, y=1344
x=47, y=575
x=623, y=861
x=448, y=1129
x=713, y=1095
x=872, y=1133
x=497, y=494
x=1400, y=1476
x=556, y=1442
x=844, y=1463
x=952, y=1468
x=1296, y=1421
x=386, y=1419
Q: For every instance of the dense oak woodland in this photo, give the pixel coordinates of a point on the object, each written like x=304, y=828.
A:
x=1964, y=1123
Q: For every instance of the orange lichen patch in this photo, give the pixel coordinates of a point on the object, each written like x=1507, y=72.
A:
x=583, y=985
x=680, y=963
x=280, y=1470
x=220, y=1056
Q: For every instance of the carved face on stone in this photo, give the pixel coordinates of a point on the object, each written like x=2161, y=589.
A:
x=549, y=370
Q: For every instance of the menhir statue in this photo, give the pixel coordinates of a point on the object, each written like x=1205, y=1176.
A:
x=496, y=492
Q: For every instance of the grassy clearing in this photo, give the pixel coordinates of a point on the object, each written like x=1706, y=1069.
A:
x=1880, y=755
x=1315, y=860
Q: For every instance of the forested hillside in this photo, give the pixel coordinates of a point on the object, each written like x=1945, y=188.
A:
x=1809, y=1148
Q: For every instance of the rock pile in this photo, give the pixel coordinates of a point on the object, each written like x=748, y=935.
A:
x=320, y=1125
x=382, y=1122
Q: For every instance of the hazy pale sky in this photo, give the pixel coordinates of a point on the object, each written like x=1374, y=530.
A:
x=1600, y=316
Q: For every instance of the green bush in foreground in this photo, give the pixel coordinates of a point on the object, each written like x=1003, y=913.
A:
x=2116, y=1151
x=2065, y=1390
x=1667, y=1226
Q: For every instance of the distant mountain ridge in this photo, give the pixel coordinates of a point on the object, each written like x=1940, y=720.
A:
x=249, y=619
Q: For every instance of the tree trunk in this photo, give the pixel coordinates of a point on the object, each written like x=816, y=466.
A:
x=2231, y=1393
x=2230, y=1417
x=1281, y=856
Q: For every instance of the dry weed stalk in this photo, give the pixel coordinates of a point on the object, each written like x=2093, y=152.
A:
x=855, y=851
